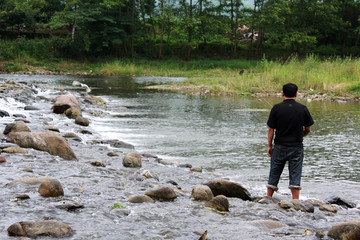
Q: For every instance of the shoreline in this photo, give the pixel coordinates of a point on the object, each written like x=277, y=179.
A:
x=204, y=89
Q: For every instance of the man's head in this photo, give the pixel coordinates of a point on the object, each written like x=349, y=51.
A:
x=290, y=90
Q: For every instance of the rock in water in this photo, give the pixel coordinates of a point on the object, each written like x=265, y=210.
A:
x=63, y=102
x=50, y=142
x=51, y=188
x=349, y=230
x=73, y=112
x=16, y=127
x=220, y=202
x=141, y=199
x=341, y=202
x=45, y=228
x=132, y=159
x=228, y=189
x=4, y=113
x=162, y=193
x=202, y=192
x=268, y=224
x=82, y=121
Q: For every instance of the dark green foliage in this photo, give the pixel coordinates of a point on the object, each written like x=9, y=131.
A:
x=185, y=29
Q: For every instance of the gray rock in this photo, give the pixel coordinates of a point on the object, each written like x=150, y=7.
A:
x=114, y=143
x=51, y=228
x=268, y=224
x=31, y=108
x=19, y=115
x=70, y=207
x=168, y=162
x=185, y=165
x=7, y=145
x=341, y=202
x=4, y=113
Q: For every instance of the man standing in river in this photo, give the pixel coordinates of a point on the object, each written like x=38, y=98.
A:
x=290, y=122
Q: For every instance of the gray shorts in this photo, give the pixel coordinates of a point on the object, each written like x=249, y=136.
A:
x=282, y=154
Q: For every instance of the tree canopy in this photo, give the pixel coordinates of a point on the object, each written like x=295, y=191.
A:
x=185, y=28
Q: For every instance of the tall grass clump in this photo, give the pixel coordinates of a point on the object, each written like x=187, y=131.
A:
x=118, y=68
x=332, y=76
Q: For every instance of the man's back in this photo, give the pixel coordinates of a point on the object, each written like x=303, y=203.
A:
x=289, y=118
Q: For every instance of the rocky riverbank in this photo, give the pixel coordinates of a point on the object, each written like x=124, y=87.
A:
x=60, y=175
x=206, y=90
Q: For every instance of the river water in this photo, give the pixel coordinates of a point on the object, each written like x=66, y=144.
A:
x=226, y=137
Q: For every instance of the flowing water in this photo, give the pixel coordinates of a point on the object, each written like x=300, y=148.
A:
x=226, y=137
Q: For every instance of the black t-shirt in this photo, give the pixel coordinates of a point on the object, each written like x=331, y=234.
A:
x=289, y=118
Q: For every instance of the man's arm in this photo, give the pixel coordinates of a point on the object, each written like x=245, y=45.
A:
x=306, y=131
x=271, y=132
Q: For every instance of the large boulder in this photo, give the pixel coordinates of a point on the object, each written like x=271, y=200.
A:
x=64, y=102
x=31, y=229
x=349, y=230
x=165, y=193
x=228, y=189
x=202, y=192
x=132, y=159
x=50, y=142
x=16, y=127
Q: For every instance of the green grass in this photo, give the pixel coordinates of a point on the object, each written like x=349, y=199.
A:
x=336, y=77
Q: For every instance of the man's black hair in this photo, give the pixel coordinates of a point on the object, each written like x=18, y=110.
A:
x=290, y=90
